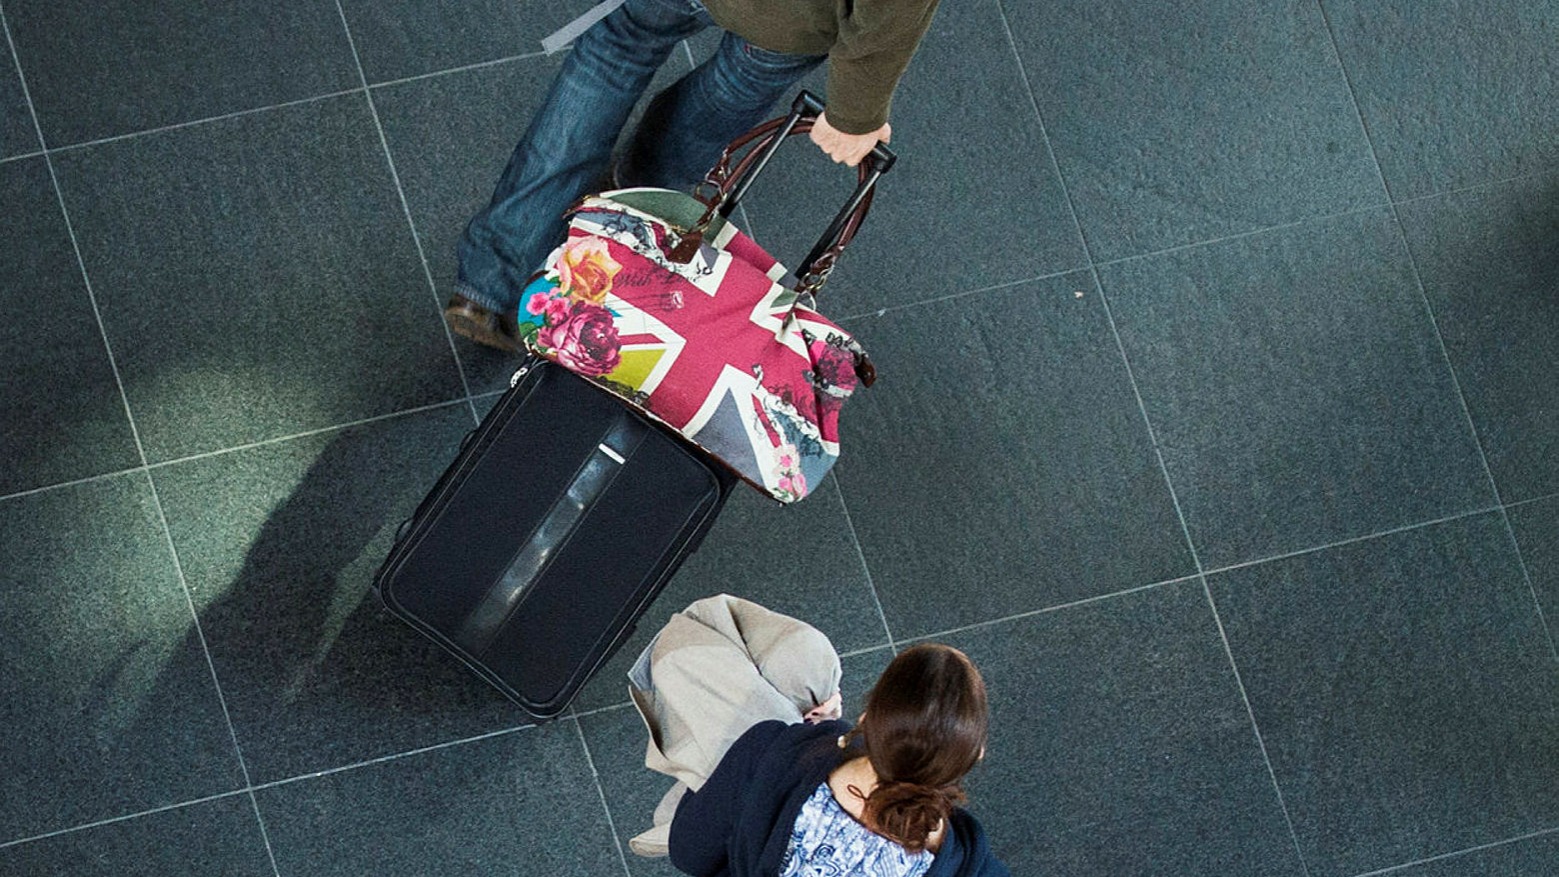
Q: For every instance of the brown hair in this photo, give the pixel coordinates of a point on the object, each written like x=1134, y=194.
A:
x=924, y=728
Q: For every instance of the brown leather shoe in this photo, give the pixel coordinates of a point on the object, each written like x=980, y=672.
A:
x=467, y=318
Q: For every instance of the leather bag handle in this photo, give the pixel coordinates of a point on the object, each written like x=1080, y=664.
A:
x=729, y=184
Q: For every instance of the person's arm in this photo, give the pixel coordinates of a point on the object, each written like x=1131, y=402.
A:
x=701, y=830
x=873, y=49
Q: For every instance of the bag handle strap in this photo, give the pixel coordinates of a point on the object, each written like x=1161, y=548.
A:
x=730, y=185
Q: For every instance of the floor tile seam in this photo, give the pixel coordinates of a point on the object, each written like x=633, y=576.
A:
x=1044, y=133
x=954, y=296
x=1255, y=726
x=1546, y=832
x=1034, y=613
x=411, y=224
x=74, y=482
x=37, y=153
x=315, y=98
x=606, y=808
x=1473, y=188
x=609, y=708
x=127, y=817
x=265, y=833
x=856, y=653
x=1354, y=540
x=392, y=757
x=1536, y=499
x=1315, y=219
x=204, y=120
x=1168, y=480
x=860, y=554
x=204, y=455
x=1407, y=249
x=1526, y=575
x=211, y=667
x=1353, y=98
x=310, y=433
x=463, y=68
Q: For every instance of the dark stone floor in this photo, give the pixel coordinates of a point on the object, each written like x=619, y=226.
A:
x=1218, y=421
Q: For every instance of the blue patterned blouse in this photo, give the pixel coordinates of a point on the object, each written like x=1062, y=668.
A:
x=828, y=842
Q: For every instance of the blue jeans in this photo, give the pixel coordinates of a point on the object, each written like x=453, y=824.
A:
x=567, y=148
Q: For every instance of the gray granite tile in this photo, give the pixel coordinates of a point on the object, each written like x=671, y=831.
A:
x=800, y=560
x=1001, y=463
x=1297, y=388
x=1120, y=745
x=1491, y=271
x=257, y=277
x=18, y=135
x=974, y=200
x=214, y=837
x=403, y=38
x=61, y=415
x=1406, y=692
x=518, y=803
x=97, y=70
x=1529, y=857
x=106, y=699
x=1454, y=94
x=1536, y=527
x=617, y=738
x=1184, y=123
x=280, y=545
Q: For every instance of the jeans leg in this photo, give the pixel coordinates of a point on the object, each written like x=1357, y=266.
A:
x=567, y=146
x=687, y=125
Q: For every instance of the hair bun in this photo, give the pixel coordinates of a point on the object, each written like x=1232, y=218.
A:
x=908, y=813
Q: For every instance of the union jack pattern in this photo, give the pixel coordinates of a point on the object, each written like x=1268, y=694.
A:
x=721, y=348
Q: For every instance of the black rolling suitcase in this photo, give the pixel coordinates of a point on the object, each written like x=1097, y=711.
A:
x=563, y=516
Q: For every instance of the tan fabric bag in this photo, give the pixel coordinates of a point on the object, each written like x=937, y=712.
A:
x=716, y=669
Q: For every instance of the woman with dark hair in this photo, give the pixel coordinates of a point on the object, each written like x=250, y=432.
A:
x=877, y=800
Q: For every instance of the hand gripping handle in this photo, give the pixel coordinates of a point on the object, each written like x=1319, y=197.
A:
x=730, y=184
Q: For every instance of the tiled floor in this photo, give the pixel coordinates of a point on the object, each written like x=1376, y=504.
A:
x=1219, y=422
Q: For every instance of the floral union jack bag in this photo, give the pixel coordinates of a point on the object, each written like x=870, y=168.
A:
x=661, y=300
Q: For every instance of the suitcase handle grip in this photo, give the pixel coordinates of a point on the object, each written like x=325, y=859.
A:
x=731, y=184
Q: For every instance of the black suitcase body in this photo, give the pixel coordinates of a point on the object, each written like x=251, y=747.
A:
x=563, y=516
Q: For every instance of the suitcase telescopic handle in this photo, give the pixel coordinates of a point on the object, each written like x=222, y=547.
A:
x=730, y=184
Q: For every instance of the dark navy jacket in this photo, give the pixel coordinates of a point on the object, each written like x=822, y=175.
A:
x=738, y=824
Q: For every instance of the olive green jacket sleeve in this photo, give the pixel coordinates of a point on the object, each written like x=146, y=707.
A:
x=873, y=49
x=868, y=44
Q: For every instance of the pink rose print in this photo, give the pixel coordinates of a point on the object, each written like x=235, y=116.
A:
x=834, y=367
x=795, y=484
x=553, y=310
x=585, y=342
x=788, y=467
